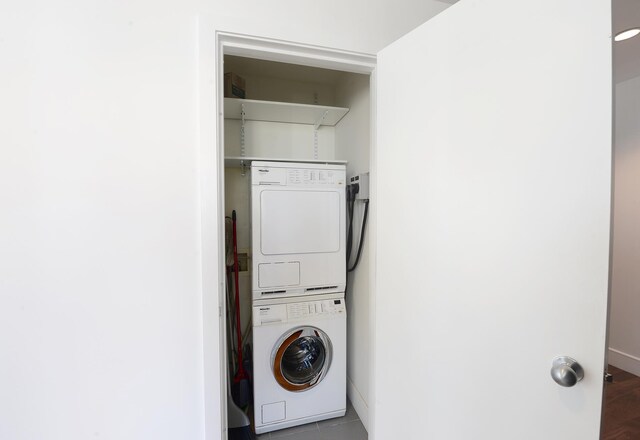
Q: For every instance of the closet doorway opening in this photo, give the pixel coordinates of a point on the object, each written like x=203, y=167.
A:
x=287, y=114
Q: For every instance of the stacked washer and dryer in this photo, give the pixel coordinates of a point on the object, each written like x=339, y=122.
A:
x=299, y=276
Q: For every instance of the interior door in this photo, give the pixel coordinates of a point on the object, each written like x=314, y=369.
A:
x=493, y=211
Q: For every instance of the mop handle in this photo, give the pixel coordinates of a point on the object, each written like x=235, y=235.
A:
x=236, y=268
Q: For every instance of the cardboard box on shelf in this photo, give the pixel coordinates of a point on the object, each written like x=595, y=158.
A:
x=233, y=86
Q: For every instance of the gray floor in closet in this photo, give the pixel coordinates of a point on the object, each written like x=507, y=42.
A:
x=348, y=427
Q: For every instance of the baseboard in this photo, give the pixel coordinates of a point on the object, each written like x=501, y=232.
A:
x=619, y=359
x=358, y=403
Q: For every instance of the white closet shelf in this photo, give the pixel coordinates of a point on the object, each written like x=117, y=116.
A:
x=272, y=111
x=236, y=161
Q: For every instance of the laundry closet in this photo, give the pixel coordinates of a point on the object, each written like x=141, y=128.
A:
x=319, y=120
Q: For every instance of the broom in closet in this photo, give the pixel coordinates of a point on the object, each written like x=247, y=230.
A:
x=238, y=389
x=241, y=379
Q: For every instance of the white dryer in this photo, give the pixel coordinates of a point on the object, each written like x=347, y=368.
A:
x=299, y=361
x=298, y=229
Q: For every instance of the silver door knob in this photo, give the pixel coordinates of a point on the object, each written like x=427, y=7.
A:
x=566, y=371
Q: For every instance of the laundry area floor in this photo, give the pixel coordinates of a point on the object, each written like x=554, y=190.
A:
x=348, y=427
x=622, y=406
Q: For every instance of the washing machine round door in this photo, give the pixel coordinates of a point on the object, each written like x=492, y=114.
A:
x=301, y=358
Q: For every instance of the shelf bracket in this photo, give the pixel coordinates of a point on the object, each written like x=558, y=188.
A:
x=316, y=126
x=319, y=121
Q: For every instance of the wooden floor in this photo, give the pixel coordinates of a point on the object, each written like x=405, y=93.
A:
x=622, y=407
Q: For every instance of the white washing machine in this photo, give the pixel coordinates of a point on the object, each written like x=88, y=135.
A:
x=298, y=229
x=299, y=361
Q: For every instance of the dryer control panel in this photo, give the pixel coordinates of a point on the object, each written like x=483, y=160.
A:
x=315, y=177
x=298, y=175
x=277, y=313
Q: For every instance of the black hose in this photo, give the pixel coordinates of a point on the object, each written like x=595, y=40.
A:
x=350, y=204
x=350, y=231
x=361, y=243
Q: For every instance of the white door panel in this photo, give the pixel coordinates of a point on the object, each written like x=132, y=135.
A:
x=299, y=222
x=493, y=193
x=279, y=274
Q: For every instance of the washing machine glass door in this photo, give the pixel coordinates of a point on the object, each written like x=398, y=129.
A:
x=301, y=358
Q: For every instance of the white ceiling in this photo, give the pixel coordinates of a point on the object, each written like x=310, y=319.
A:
x=626, y=54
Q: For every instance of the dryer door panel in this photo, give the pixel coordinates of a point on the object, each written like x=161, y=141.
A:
x=299, y=222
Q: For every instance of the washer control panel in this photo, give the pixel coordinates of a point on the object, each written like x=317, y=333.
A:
x=289, y=312
x=325, y=307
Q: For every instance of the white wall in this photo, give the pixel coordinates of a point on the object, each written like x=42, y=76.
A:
x=101, y=313
x=268, y=139
x=624, y=330
x=352, y=144
x=100, y=320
